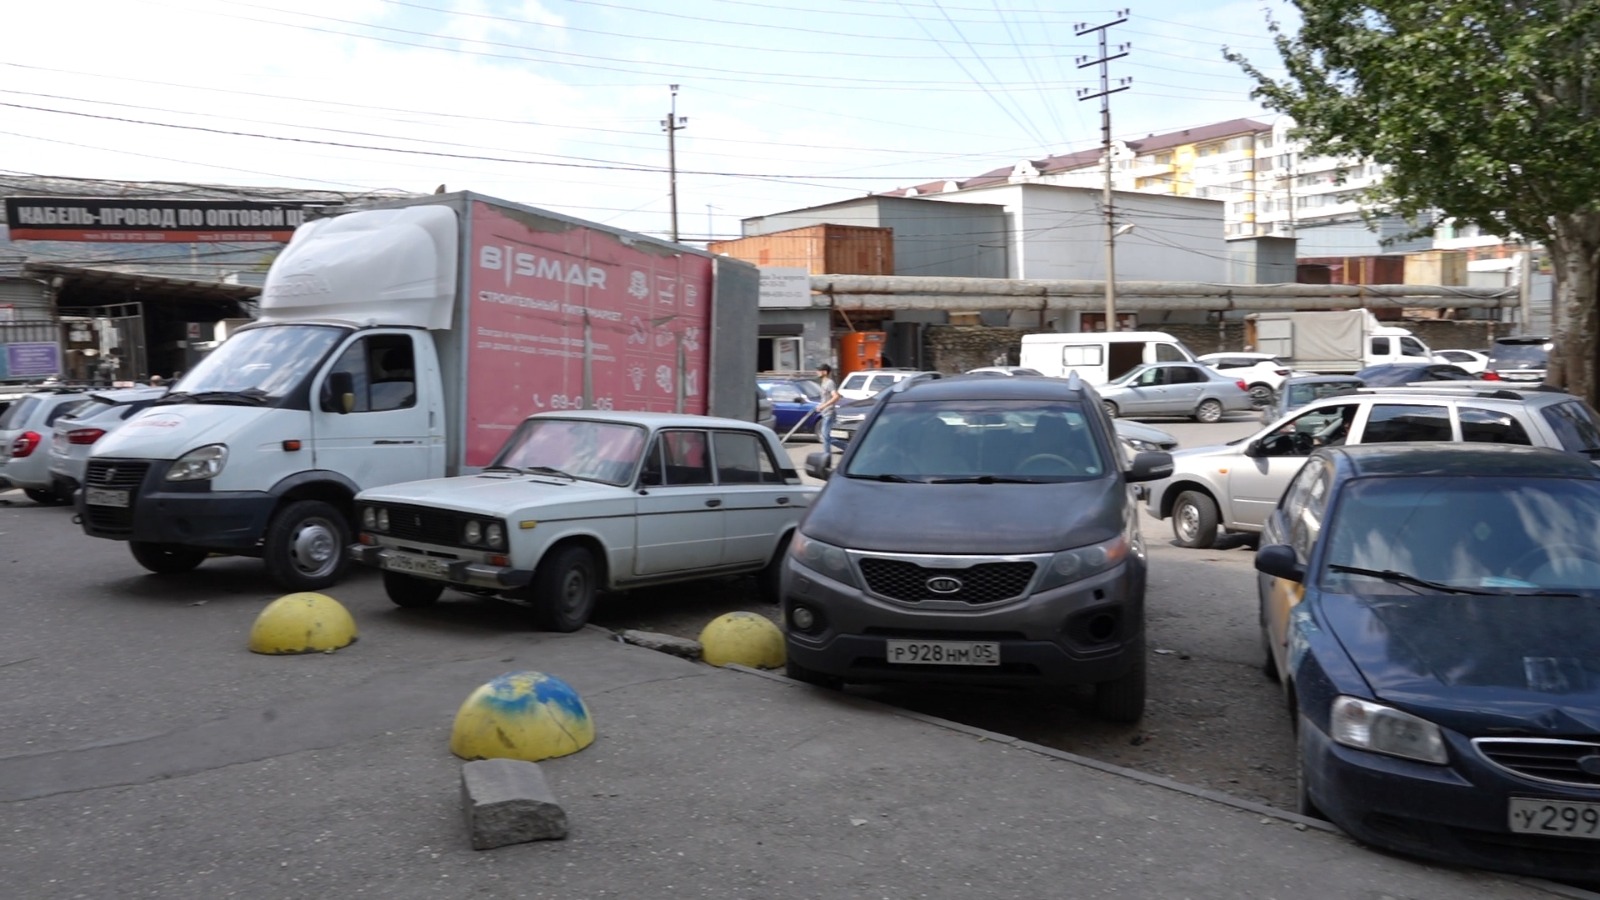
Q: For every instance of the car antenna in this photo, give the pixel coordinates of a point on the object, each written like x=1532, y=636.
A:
x=1073, y=381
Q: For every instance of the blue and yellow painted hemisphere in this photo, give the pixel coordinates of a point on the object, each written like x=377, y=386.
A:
x=305, y=622
x=522, y=715
x=745, y=638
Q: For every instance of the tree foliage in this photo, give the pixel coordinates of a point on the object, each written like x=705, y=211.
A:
x=1487, y=112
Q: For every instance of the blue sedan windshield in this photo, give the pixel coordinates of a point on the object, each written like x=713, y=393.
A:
x=1515, y=533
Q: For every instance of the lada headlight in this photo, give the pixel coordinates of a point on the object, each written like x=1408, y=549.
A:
x=472, y=533
x=1082, y=562
x=495, y=536
x=824, y=558
x=374, y=518
x=199, y=464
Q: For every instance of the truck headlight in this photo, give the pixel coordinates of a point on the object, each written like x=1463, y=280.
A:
x=824, y=558
x=199, y=464
x=1383, y=729
x=472, y=533
x=1080, y=563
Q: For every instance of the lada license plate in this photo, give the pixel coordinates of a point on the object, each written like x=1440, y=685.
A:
x=1561, y=818
x=105, y=497
x=943, y=653
x=416, y=565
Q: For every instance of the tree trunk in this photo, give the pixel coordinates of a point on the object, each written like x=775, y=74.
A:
x=1575, y=251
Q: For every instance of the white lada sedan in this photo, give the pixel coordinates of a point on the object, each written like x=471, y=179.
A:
x=578, y=502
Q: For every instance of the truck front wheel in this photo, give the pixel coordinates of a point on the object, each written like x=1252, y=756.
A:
x=409, y=591
x=564, y=589
x=305, y=546
x=167, y=559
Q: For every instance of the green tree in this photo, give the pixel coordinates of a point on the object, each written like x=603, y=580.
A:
x=1486, y=111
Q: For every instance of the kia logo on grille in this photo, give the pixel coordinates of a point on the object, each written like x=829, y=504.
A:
x=944, y=584
x=1590, y=764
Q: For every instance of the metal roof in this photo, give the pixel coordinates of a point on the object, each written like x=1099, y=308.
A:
x=81, y=278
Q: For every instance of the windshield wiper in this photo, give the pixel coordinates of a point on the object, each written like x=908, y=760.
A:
x=986, y=479
x=1403, y=578
x=887, y=476
x=549, y=470
x=249, y=396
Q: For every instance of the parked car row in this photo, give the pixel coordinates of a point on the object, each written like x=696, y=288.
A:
x=45, y=435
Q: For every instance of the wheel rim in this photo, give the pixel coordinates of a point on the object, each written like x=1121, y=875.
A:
x=1261, y=394
x=1210, y=411
x=1111, y=410
x=1188, y=522
x=315, y=548
x=574, y=589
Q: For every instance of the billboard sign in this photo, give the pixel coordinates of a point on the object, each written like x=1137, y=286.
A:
x=32, y=359
x=785, y=287
x=126, y=220
x=575, y=318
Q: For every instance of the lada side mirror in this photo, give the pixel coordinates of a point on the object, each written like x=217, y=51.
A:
x=1149, y=465
x=340, y=394
x=818, y=465
x=1279, y=561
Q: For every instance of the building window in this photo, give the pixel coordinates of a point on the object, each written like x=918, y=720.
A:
x=1164, y=159
x=1265, y=141
x=1244, y=208
x=1209, y=149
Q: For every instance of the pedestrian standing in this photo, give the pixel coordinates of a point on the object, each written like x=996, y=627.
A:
x=825, y=409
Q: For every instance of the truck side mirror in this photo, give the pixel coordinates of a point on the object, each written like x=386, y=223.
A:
x=339, y=393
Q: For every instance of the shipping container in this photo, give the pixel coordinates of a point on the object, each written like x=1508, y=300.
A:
x=820, y=249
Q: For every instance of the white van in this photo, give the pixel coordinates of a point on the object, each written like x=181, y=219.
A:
x=1099, y=357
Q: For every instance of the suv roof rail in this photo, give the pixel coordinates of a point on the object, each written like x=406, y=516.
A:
x=1462, y=388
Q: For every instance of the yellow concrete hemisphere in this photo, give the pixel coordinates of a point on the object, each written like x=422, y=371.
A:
x=305, y=622
x=522, y=715
x=745, y=638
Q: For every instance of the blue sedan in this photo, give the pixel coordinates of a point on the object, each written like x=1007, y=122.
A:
x=794, y=399
x=1433, y=612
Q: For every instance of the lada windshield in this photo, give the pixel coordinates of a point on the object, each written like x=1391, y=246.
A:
x=260, y=363
x=1476, y=532
x=979, y=441
x=607, y=452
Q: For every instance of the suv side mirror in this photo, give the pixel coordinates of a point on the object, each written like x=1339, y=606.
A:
x=1149, y=465
x=818, y=465
x=1279, y=561
x=339, y=394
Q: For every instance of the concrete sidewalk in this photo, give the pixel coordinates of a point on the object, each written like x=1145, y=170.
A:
x=702, y=782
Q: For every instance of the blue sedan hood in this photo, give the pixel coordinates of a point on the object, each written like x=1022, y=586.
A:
x=966, y=518
x=1476, y=664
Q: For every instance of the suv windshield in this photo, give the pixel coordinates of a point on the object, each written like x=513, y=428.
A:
x=1510, y=534
x=979, y=441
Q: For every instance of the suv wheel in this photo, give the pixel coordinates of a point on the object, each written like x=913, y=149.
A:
x=1261, y=395
x=1194, y=520
x=43, y=496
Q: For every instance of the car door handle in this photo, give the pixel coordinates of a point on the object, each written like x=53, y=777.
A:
x=782, y=501
x=713, y=502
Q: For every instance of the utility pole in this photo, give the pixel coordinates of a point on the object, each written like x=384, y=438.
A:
x=673, y=124
x=711, y=230
x=1105, y=92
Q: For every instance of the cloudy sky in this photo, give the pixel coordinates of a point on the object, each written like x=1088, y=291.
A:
x=559, y=103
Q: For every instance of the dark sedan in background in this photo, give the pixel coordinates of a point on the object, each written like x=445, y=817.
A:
x=1433, y=611
x=1391, y=374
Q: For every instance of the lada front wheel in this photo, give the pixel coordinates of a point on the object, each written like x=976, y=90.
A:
x=305, y=546
x=1194, y=520
x=564, y=589
x=410, y=591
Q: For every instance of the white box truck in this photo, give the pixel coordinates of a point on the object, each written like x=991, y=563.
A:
x=1099, y=357
x=1334, y=343
x=404, y=342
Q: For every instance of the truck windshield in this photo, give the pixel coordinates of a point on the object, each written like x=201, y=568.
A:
x=266, y=363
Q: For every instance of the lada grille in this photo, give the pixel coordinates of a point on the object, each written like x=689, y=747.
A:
x=425, y=525
x=1562, y=761
x=909, y=582
x=116, y=474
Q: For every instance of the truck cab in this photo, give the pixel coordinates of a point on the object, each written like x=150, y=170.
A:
x=1387, y=344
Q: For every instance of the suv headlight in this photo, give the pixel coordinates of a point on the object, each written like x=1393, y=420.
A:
x=1383, y=729
x=199, y=464
x=824, y=558
x=1080, y=563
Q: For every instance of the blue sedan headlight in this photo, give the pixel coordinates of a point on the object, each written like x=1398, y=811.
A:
x=1382, y=729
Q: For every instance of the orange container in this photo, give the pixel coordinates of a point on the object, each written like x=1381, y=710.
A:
x=860, y=350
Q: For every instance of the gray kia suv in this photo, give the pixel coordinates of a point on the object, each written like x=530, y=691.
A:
x=978, y=530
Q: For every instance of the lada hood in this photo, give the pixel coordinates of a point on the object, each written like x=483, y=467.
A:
x=504, y=495
x=168, y=432
x=862, y=514
x=1478, y=664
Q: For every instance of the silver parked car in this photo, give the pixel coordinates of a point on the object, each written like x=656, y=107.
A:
x=1237, y=485
x=1176, y=389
